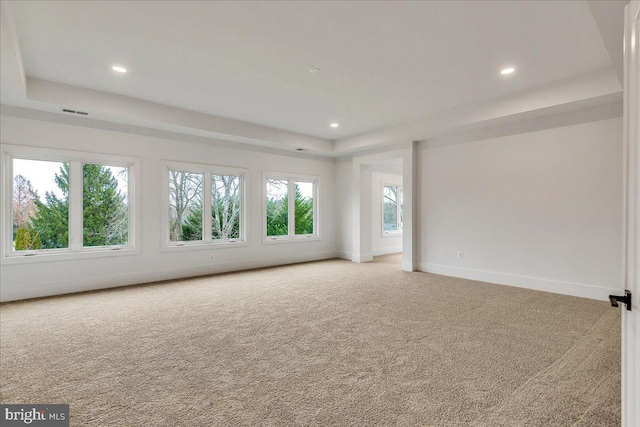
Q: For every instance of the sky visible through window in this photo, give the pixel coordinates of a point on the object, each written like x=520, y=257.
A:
x=280, y=191
x=41, y=174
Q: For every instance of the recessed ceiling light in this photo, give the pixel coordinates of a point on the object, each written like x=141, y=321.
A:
x=119, y=69
x=334, y=125
x=314, y=70
x=506, y=71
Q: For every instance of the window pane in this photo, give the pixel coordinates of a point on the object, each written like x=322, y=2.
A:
x=185, y=206
x=390, y=208
x=225, y=207
x=40, y=205
x=304, y=208
x=277, y=207
x=105, y=205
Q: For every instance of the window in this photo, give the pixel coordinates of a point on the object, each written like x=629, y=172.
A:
x=391, y=210
x=205, y=205
x=66, y=203
x=225, y=207
x=40, y=205
x=105, y=205
x=284, y=220
x=186, y=197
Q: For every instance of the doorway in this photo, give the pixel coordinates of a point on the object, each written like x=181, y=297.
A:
x=383, y=207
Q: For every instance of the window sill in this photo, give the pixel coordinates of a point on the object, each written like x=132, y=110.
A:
x=195, y=246
x=392, y=234
x=276, y=240
x=57, y=255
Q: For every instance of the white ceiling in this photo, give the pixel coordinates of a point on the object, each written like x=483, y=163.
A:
x=383, y=63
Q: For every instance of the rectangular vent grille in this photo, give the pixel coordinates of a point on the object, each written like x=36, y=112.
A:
x=82, y=113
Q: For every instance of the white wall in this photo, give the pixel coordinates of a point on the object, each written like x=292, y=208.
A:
x=389, y=172
x=380, y=243
x=541, y=210
x=344, y=207
x=55, y=277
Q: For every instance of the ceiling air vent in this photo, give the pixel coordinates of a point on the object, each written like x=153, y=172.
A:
x=82, y=113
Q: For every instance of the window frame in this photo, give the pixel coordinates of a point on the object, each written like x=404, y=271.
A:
x=207, y=241
x=291, y=237
x=76, y=249
x=399, y=225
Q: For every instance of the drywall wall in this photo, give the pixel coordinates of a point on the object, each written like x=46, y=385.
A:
x=541, y=210
x=36, y=279
x=388, y=172
x=383, y=243
x=344, y=207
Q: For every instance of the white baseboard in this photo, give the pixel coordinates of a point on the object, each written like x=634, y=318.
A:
x=362, y=257
x=406, y=266
x=344, y=255
x=20, y=292
x=387, y=251
x=566, y=288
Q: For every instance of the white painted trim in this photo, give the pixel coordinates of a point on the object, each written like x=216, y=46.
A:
x=546, y=285
x=387, y=251
x=362, y=257
x=399, y=229
x=406, y=266
x=206, y=170
x=631, y=140
x=547, y=100
x=75, y=249
x=344, y=255
x=20, y=292
x=106, y=105
x=292, y=237
x=103, y=124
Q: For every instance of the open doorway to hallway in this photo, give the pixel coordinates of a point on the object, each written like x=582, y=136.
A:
x=387, y=212
x=371, y=173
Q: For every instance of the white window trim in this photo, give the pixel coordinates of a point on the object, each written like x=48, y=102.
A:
x=76, y=249
x=399, y=231
x=207, y=242
x=291, y=237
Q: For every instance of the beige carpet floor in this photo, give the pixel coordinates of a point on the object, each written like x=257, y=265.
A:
x=323, y=343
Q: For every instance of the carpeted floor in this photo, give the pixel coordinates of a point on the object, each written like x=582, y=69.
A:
x=324, y=343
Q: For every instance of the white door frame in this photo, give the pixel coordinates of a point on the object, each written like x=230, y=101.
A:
x=631, y=135
x=362, y=248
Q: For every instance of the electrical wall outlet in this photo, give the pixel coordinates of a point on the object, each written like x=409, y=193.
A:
x=460, y=254
x=212, y=257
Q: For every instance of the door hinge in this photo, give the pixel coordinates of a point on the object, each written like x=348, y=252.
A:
x=626, y=299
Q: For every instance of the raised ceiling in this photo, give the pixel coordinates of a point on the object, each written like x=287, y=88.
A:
x=383, y=63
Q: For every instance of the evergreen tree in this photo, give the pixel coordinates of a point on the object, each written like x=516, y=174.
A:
x=36, y=242
x=22, y=239
x=192, y=225
x=27, y=240
x=104, y=208
x=51, y=221
x=105, y=216
x=278, y=216
x=304, y=213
